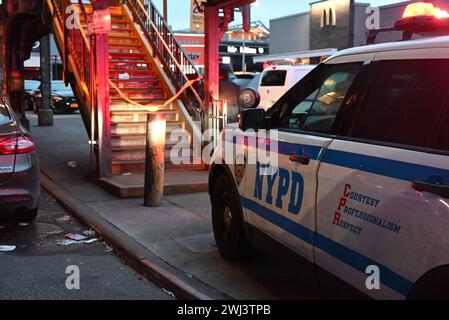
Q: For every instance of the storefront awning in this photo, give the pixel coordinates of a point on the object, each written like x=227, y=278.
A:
x=295, y=55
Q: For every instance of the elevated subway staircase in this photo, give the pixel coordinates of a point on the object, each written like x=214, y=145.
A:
x=143, y=75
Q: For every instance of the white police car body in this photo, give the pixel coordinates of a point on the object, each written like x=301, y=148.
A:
x=362, y=176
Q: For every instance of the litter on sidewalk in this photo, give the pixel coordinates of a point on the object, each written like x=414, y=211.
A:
x=6, y=248
x=76, y=237
x=68, y=242
x=63, y=219
x=168, y=292
x=89, y=233
x=72, y=164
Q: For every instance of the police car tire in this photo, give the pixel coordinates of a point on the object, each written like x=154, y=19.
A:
x=231, y=240
x=432, y=286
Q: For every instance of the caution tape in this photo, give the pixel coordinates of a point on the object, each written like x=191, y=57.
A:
x=152, y=108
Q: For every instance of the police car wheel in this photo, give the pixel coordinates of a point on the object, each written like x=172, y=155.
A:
x=227, y=222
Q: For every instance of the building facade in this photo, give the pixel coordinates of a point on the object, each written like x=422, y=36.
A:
x=328, y=26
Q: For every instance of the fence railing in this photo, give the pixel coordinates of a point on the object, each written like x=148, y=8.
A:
x=176, y=63
x=75, y=43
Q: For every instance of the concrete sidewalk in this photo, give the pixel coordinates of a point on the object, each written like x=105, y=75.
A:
x=178, y=236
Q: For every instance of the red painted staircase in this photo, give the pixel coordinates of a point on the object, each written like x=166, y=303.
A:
x=148, y=66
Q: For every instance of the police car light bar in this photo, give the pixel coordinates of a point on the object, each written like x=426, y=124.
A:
x=424, y=9
x=419, y=17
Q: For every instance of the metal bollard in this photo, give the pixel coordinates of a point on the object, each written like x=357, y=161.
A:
x=154, y=160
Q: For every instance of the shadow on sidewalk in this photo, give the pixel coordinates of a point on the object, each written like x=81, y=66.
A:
x=179, y=234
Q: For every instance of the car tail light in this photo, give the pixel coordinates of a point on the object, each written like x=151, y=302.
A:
x=16, y=145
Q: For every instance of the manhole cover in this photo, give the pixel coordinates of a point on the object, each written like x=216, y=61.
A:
x=19, y=235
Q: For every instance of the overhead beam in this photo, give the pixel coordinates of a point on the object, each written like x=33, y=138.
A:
x=223, y=4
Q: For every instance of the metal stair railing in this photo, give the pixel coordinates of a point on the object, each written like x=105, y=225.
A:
x=175, y=61
x=75, y=44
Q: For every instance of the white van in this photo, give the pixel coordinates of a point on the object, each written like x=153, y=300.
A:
x=277, y=80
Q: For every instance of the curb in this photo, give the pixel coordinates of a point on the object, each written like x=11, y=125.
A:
x=126, y=247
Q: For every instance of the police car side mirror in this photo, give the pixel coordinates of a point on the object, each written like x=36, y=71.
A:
x=252, y=119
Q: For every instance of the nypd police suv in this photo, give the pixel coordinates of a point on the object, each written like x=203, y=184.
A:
x=361, y=181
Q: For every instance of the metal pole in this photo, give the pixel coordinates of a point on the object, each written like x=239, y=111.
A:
x=244, y=54
x=45, y=114
x=165, y=11
x=154, y=160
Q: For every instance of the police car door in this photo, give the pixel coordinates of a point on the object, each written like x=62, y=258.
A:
x=281, y=202
x=374, y=229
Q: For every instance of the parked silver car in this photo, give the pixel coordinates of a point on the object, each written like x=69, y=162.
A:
x=19, y=170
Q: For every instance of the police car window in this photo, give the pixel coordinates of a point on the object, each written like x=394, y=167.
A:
x=274, y=78
x=404, y=102
x=316, y=110
x=441, y=138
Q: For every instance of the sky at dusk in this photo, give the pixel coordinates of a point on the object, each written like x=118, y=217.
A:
x=264, y=10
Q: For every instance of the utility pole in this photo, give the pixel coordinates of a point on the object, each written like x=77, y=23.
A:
x=244, y=53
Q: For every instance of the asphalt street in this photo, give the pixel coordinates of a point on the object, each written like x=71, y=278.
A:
x=37, y=268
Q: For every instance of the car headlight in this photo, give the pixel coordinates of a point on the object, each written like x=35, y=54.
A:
x=56, y=99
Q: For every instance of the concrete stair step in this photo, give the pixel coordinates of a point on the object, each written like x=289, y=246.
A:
x=130, y=72
x=137, y=84
x=140, y=140
x=124, y=139
x=125, y=33
x=122, y=28
x=128, y=55
x=139, y=155
x=125, y=49
x=125, y=144
x=140, y=95
x=138, y=166
x=143, y=102
x=142, y=123
x=141, y=116
x=127, y=88
x=125, y=46
x=175, y=182
x=131, y=75
x=140, y=127
x=118, y=105
x=123, y=42
x=117, y=21
x=130, y=65
x=140, y=148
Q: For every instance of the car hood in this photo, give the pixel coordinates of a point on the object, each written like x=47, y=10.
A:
x=63, y=94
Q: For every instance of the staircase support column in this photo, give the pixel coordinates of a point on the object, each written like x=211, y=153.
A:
x=212, y=21
x=103, y=105
x=45, y=114
x=15, y=90
x=101, y=56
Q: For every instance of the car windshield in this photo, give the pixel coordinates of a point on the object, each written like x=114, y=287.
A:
x=31, y=85
x=243, y=83
x=60, y=86
x=254, y=83
x=5, y=117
